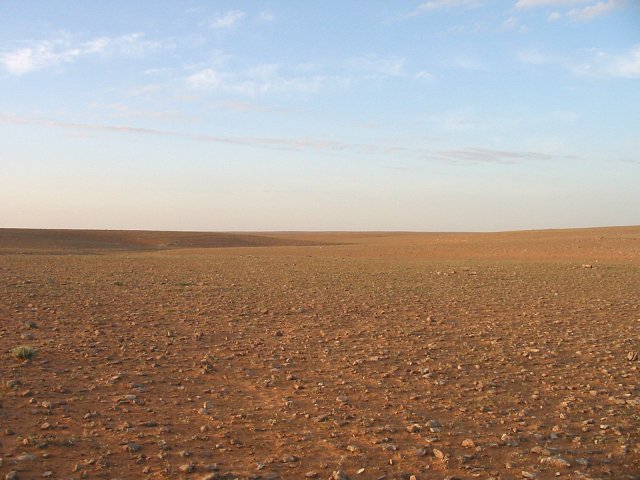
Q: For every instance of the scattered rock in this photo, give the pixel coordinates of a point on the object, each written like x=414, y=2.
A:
x=529, y=475
x=339, y=475
x=187, y=467
x=468, y=443
x=415, y=428
x=555, y=461
x=26, y=457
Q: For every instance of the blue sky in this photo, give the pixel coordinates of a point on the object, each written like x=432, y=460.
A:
x=326, y=115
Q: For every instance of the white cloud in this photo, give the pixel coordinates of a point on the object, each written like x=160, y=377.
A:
x=261, y=79
x=424, y=75
x=206, y=78
x=509, y=23
x=432, y=5
x=535, y=57
x=592, y=11
x=627, y=66
x=48, y=53
x=145, y=89
x=548, y=3
x=391, y=66
x=584, y=10
x=267, y=17
x=512, y=23
x=590, y=63
x=228, y=19
x=464, y=62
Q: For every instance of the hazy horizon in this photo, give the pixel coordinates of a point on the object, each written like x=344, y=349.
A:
x=423, y=116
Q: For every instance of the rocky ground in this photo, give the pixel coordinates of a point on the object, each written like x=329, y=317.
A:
x=392, y=357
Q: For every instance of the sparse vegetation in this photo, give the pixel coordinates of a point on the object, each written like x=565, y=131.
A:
x=23, y=352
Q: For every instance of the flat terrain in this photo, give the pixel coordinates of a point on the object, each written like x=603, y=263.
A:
x=290, y=355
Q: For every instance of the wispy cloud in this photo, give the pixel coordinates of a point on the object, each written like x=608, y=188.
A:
x=465, y=62
x=592, y=11
x=627, y=65
x=392, y=66
x=267, y=17
x=583, y=10
x=548, y=3
x=424, y=75
x=432, y=5
x=242, y=106
x=205, y=78
x=481, y=155
x=262, y=79
x=464, y=155
x=49, y=53
x=122, y=110
x=148, y=89
x=512, y=23
x=228, y=19
x=309, y=78
x=591, y=62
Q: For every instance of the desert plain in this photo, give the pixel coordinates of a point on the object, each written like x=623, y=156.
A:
x=320, y=355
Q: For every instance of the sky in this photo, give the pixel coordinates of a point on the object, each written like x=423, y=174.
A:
x=438, y=115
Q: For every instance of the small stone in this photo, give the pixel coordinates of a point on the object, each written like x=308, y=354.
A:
x=26, y=457
x=632, y=356
x=468, y=443
x=420, y=452
x=12, y=475
x=360, y=471
x=529, y=475
x=440, y=455
x=556, y=461
x=352, y=448
x=187, y=467
x=311, y=475
x=339, y=475
x=131, y=447
x=415, y=428
x=509, y=440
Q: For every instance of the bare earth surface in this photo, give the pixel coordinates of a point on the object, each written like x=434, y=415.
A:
x=374, y=356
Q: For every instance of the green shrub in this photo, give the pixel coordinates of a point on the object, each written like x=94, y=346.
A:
x=24, y=352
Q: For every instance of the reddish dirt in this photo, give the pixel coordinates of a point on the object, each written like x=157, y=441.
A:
x=505, y=356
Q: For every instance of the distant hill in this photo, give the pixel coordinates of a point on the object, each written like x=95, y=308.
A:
x=14, y=240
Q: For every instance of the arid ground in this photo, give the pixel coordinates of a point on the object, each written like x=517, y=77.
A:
x=292, y=356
